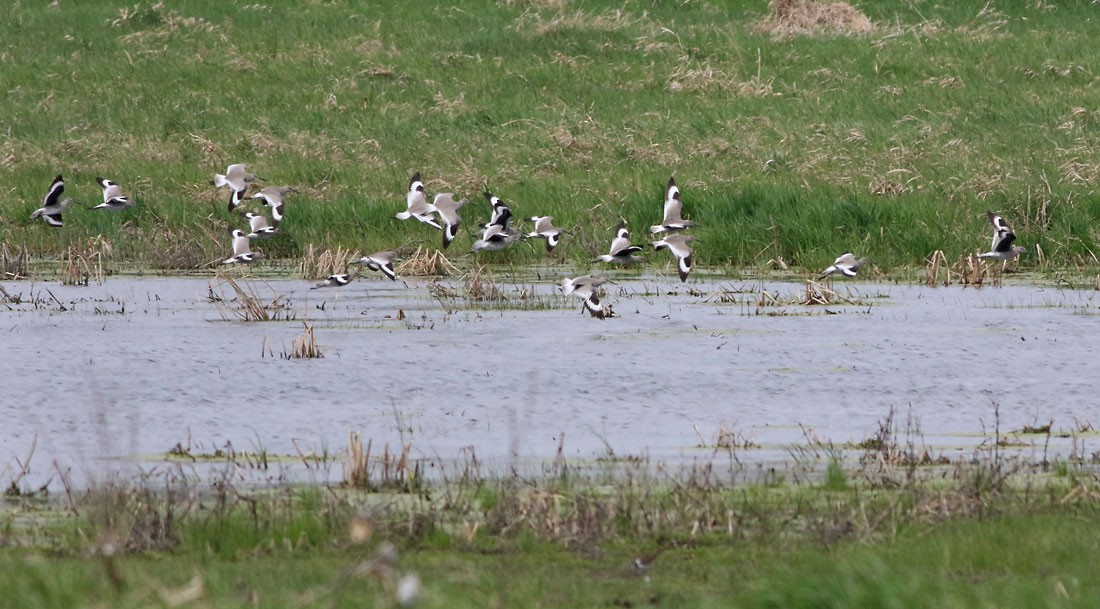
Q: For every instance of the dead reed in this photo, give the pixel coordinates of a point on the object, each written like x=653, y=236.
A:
x=85, y=263
x=318, y=265
x=249, y=305
x=13, y=265
x=426, y=262
x=305, y=346
x=390, y=472
x=481, y=286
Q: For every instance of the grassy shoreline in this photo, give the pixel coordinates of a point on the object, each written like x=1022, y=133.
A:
x=795, y=148
x=888, y=531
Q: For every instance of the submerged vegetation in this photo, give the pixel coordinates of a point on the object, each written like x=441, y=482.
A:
x=797, y=130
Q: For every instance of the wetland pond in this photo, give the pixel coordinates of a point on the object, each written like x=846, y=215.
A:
x=109, y=378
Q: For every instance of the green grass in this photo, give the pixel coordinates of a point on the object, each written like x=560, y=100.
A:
x=892, y=143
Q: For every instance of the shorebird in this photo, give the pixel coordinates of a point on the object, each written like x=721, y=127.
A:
x=258, y=226
x=678, y=245
x=545, y=229
x=272, y=196
x=241, y=251
x=237, y=178
x=673, y=209
x=113, y=199
x=338, y=280
x=379, y=261
x=417, y=204
x=1003, y=240
x=495, y=237
x=586, y=287
x=447, y=208
x=51, y=205
x=847, y=264
x=622, y=252
x=501, y=212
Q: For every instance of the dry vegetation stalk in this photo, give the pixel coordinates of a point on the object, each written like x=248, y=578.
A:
x=13, y=265
x=427, y=262
x=316, y=265
x=305, y=346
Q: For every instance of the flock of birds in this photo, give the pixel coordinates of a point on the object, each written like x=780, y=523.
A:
x=497, y=234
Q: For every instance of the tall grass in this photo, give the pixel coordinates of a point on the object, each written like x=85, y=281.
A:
x=892, y=142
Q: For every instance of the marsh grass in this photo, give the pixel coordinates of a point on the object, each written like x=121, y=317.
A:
x=246, y=304
x=426, y=262
x=882, y=527
x=391, y=472
x=13, y=264
x=319, y=265
x=792, y=142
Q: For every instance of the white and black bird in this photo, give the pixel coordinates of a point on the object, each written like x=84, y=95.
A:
x=545, y=229
x=501, y=212
x=338, y=280
x=679, y=245
x=847, y=264
x=496, y=235
x=113, y=199
x=379, y=261
x=242, y=254
x=586, y=287
x=622, y=251
x=273, y=196
x=237, y=178
x=416, y=203
x=447, y=208
x=258, y=226
x=673, y=219
x=52, y=204
x=1003, y=247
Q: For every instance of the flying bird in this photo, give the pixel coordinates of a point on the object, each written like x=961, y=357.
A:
x=847, y=264
x=586, y=287
x=241, y=252
x=673, y=209
x=338, y=280
x=379, y=261
x=113, y=199
x=417, y=205
x=678, y=244
x=52, y=205
x=1003, y=240
x=545, y=229
x=272, y=196
x=447, y=208
x=622, y=252
x=237, y=178
x=258, y=226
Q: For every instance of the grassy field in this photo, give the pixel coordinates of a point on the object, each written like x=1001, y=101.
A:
x=891, y=140
x=889, y=533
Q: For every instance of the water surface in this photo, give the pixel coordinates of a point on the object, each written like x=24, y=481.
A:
x=108, y=375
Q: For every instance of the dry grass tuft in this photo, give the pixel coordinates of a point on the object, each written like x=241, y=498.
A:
x=250, y=307
x=13, y=265
x=426, y=262
x=319, y=265
x=84, y=264
x=305, y=346
x=812, y=18
x=481, y=286
x=395, y=472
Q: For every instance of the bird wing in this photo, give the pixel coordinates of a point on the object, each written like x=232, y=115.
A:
x=53, y=195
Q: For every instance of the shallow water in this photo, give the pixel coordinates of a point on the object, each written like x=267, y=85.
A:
x=135, y=366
